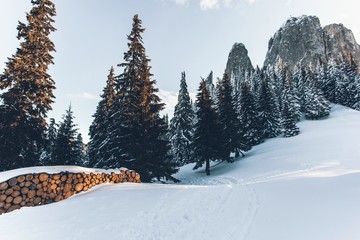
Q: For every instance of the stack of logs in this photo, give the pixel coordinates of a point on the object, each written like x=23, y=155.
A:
x=43, y=188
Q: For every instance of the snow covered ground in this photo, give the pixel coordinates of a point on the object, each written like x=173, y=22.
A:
x=300, y=188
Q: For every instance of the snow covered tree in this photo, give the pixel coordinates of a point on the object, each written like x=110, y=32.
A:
x=143, y=144
x=331, y=83
x=316, y=105
x=27, y=90
x=206, y=134
x=269, y=111
x=98, y=152
x=289, y=120
x=291, y=98
x=65, y=145
x=181, y=126
x=79, y=151
x=228, y=120
x=248, y=116
x=51, y=136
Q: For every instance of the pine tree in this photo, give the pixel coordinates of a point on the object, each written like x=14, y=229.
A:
x=206, y=134
x=142, y=127
x=27, y=90
x=291, y=98
x=65, y=145
x=98, y=151
x=269, y=111
x=289, y=121
x=331, y=83
x=228, y=120
x=316, y=105
x=181, y=129
x=249, y=125
x=51, y=136
x=79, y=151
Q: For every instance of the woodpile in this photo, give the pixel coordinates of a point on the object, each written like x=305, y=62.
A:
x=42, y=188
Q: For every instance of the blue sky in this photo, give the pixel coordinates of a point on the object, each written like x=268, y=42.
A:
x=181, y=35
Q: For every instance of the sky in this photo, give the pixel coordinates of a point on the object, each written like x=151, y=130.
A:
x=194, y=36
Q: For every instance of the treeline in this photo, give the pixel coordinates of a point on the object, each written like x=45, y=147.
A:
x=128, y=130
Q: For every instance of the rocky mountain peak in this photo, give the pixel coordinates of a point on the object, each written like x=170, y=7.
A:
x=238, y=63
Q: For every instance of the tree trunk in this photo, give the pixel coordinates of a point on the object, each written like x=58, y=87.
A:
x=207, y=169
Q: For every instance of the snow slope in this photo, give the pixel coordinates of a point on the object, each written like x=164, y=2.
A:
x=300, y=188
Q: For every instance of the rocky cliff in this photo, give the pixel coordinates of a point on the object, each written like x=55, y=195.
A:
x=303, y=40
x=238, y=63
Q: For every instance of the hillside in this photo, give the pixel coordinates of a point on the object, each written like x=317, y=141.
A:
x=304, y=187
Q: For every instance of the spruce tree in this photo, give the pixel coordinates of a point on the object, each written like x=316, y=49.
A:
x=269, y=111
x=228, y=119
x=65, y=145
x=143, y=142
x=27, y=90
x=181, y=126
x=249, y=125
x=316, y=105
x=289, y=120
x=206, y=134
x=98, y=152
x=51, y=136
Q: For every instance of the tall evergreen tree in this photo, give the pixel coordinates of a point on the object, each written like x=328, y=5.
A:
x=228, y=120
x=206, y=134
x=65, y=146
x=27, y=90
x=181, y=126
x=142, y=127
x=316, y=105
x=98, y=151
x=249, y=125
x=269, y=111
x=289, y=121
x=51, y=137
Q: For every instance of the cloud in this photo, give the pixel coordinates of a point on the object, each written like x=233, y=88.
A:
x=209, y=4
x=181, y=2
x=85, y=95
x=170, y=98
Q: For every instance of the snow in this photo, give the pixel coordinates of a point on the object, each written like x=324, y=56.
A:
x=303, y=187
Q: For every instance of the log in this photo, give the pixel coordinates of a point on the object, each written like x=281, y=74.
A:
x=29, y=177
x=31, y=193
x=58, y=198
x=28, y=184
x=2, y=210
x=37, y=200
x=7, y=205
x=2, y=197
x=56, y=177
x=53, y=186
x=17, y=200
x=12, y=181
x=35, y=180
x=78, y=187
x=13, y=207
x=16, y=188
x=20, y=179
x=2, y=204
x=15, y=194
x=9, y=199
x=9, y=191
x=3, y=186
x=22, y=184
x=52, y=195
x=25, y=190
x=22, y=203
x=39, y=193
x=43, y=177
x=137, y=177
x=63, y=178
x=68, y=194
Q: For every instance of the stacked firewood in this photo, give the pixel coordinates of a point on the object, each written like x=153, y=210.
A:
x=43, y=188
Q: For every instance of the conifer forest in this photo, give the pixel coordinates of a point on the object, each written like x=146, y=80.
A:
x=229, y=116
